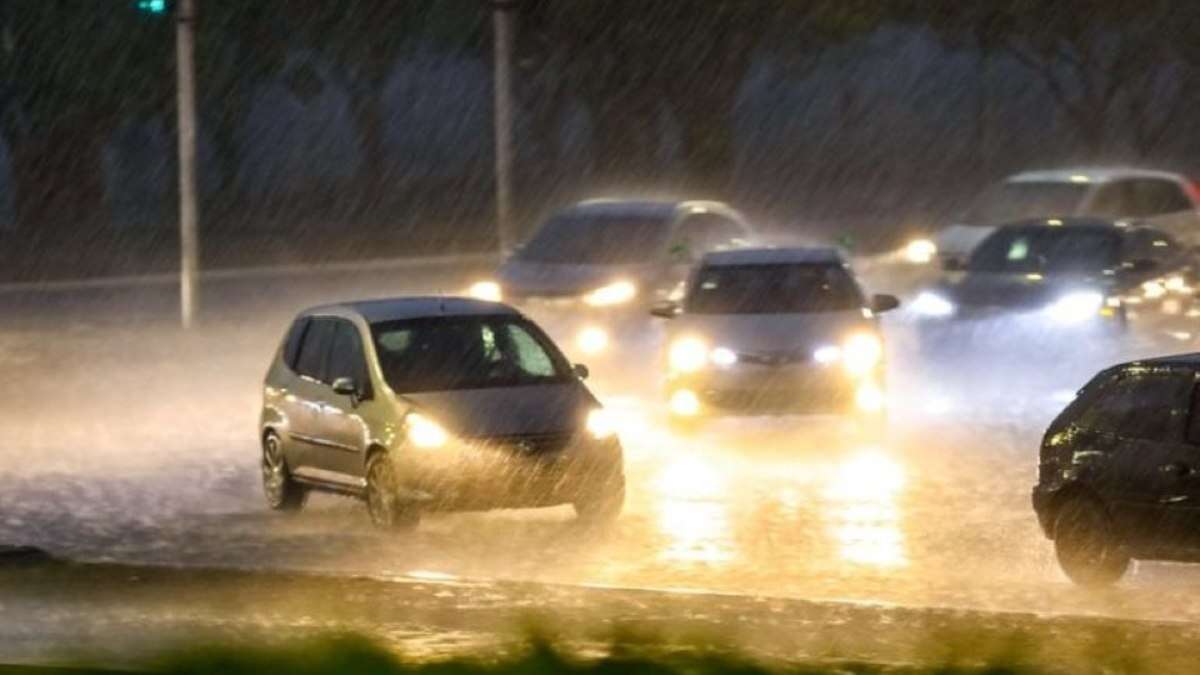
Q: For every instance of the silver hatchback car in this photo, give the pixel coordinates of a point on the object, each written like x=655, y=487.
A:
x=434, y=404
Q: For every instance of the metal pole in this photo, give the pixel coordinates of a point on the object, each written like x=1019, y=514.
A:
x=189, y=239
x=502, y=18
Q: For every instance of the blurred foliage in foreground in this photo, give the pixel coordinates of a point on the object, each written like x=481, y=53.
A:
x=360, y=656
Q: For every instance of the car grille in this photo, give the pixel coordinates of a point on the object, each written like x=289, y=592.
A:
x=532, y=444
x=774, y=358
x=790, y=400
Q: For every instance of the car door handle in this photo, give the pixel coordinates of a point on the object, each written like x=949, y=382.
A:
x=1177, y=469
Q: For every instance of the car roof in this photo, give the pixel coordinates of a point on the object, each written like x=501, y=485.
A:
x=1090, y=174
x=1071, y=222
x=1190, y=361
x=1121, y=226
x=418, y=307
x=773, y=256
x=648, y=207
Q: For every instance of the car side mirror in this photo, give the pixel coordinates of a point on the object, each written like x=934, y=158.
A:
x=884, y=303
x=667, y=309
x=345, y=386
x=954, y=264
x=581, y=371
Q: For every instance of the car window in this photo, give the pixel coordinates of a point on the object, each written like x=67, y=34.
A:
x=773, y=289
x=1084, y=399
x=1018, y=200
x=1142, y=405
x=1156, y=197
x=530, y=356
x=596, y=237
x=1193, y=426
x=1113, y=200
x=291, y=344
x=475, y=352
x=313, y=350
x=707, y=232
x=346, y=358
x=1045, y=249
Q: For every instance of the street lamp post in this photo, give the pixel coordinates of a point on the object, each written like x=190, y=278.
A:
x=502, y=21
x=189, y=238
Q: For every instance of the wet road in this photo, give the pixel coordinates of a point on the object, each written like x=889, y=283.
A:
x=125, y=439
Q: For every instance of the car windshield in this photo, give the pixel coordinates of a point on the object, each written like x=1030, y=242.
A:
x=773, y=289
x=590, y=238
x=1055, y=250
x=475, y=352
x=1022, y=200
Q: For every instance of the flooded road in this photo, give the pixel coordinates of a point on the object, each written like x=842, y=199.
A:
x=124, y=439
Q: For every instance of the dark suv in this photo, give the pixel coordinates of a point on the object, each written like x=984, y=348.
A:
x=1119, y=473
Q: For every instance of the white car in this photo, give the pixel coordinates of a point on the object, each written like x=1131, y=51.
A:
x=774, y=330
x=1166, y=201
x=591, y=271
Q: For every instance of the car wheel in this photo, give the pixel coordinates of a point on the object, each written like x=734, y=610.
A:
x=603, y=506
x=1086, y=546
x=383, y=504
x=282, y=493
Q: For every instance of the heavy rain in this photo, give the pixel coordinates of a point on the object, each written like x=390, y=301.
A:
x=824, y=329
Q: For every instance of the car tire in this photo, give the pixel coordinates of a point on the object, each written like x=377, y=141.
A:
x=280, y=490
x=1086, y=545
x=601, y=507
x=387, y=511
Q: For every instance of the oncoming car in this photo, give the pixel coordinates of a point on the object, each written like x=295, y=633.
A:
x=433, y=404
x=775, y=330
x=1119, y=470
x=1167, y=201
x=591, y=270
x=1057, y=279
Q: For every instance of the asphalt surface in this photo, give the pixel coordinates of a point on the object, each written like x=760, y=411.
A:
x=124, y=438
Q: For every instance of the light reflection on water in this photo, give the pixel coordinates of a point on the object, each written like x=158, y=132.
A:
x=861, y=512
x=855, y=501
x=693, y=514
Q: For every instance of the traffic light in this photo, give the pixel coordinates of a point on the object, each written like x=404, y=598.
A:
x=152, y=6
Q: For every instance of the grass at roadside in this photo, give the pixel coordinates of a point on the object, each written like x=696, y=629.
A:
x=630, y=655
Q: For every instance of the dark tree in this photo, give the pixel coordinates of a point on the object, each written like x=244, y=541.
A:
x=71, y=72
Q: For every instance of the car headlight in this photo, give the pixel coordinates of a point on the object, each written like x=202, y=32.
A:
x=424, y=432
x=684, y=403
x=920, y=251
x=1076, y=307
x=723, y=357
x=486, y=290
x=592, y=340
x=616, y=293
x=601, y=424
x=827, y=354
x=687, y=355
x=861, y=353
x=932, y=304
x=870, y=398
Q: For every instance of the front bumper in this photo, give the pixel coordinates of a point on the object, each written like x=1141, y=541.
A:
x=510, y=473
x=756, y=389
x=1042, y=498
x=1032, y=330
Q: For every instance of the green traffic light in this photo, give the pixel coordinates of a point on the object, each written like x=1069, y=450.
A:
x=152, y=6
